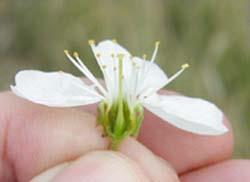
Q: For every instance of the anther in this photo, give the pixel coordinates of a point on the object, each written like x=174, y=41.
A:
x=91, y=42
x=98, y=55
x=75, y=54
x=157, y=43
x=114, y=40
x=184, y=66
x=104, y=66
x=66, y=52
x=112, y=55
x=144, y=56
x=114, y=68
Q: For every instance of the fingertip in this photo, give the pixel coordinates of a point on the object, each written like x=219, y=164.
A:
x=156, y=168
x=102, y=166
x=184, y=150
x=230, y=171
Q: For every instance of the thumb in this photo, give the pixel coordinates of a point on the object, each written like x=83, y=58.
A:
x=95, y=166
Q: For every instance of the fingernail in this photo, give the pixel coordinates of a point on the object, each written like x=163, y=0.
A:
x=50, y=173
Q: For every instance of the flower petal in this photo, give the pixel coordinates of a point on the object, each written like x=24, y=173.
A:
x=151, y=76
x=56, y=89
x=190, y=114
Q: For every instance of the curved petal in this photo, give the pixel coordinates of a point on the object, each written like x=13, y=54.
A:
x=190, y=114
x=151, y=76
x=57, y=89
x=106, y=53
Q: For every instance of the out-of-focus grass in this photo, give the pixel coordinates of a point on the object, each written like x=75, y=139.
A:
x=213, y=36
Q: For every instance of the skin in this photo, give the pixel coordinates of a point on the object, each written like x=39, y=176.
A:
x=39, y=143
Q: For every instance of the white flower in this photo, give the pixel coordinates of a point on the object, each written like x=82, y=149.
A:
x=132, y=81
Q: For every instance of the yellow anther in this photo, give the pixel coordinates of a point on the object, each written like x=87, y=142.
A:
x=144, y=56
x=91, y=42
x=157, y=43
x=114, y=40
x=98, y=55
x=184, y=66
x=60, y=71
x=75, y=54
x=66, y=51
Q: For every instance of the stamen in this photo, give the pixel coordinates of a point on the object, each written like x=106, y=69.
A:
x=75, y=54
x=178, y=73
x=157, y=43
x=114, y=40
x=66, y=52
x=79, y=64
x=98, y=55
x=144, y=56
x=91, y=42
x=184, y=66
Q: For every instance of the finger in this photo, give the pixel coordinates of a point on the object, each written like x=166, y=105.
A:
x=229, y=171
x=100, y=166
x=36, y=138
x=156, y=169
x=49, y=174
x=153, y=167
x=185, y=151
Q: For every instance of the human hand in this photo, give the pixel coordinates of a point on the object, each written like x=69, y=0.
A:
x=39, y=143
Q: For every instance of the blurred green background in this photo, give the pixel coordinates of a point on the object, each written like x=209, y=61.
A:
x=213, y=36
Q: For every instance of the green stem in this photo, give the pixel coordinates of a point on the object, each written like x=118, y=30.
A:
x=114, y=145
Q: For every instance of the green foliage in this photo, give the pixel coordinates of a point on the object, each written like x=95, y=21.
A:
x=213, y=36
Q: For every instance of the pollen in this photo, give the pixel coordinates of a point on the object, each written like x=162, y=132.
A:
x=98, y=55
x=157, y=43
x=91, y=42
x=144, y=56
x=66, y=52
x=114, y=40
x=75, y=54
x=184, y=66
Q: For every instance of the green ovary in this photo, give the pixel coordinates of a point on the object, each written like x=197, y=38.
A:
x=119, y=121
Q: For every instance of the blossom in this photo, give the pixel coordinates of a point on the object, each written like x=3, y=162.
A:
x=131, y=84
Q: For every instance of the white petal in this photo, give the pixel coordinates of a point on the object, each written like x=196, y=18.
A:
x=57, y=89
x=190, y=114
x=107, y=56
x=152, y=76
